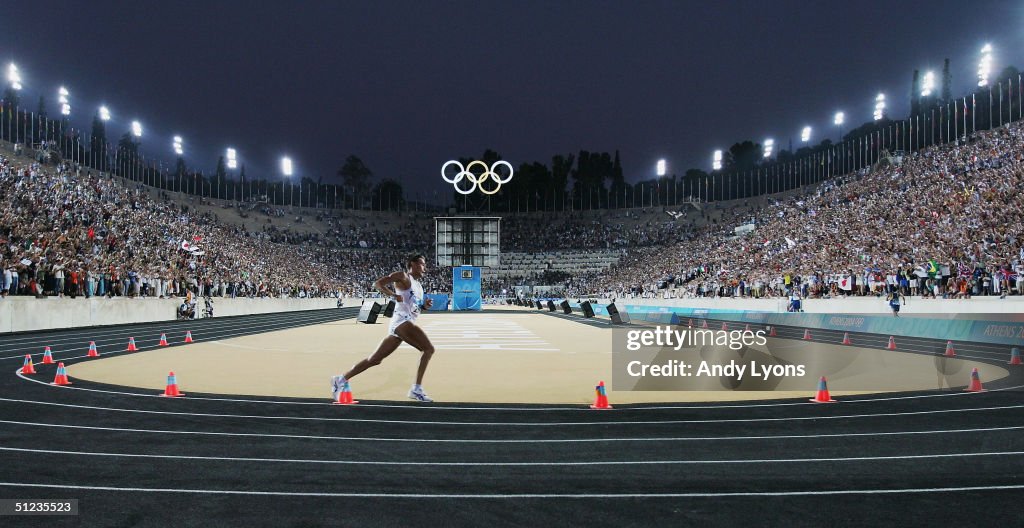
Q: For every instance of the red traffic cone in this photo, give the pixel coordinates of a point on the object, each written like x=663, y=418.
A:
x=62, y=376
x=345, y=396
x=892, y=344
x=823, y=396
x=772, y=332
x=846, y=338
x=1015, y=356
x=163, y=340
x=47, y=356
x=690, y=325
x=807, y=334
x=975, y=385
x=949, y=349
x=131, y=345
x=92, y=350
x=27, y=368
x=704, y=323
x=725, y=327
x=172, y=387
x=601, y=402
x=188, y=336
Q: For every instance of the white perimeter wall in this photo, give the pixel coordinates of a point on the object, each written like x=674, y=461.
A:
x=28, y=313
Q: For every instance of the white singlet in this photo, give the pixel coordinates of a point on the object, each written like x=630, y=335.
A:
x=409, y=308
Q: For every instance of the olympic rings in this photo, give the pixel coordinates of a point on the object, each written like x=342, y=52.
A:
x=477, y=181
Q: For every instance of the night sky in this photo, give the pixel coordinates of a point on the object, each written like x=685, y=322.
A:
x=408, y=85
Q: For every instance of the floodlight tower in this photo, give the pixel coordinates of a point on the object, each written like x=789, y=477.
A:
x=287, y=171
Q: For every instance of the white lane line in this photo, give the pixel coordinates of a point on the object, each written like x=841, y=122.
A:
x=506, y=496
x=516, y=424
x=512, y=464
x=512, y=441
x=581, y=407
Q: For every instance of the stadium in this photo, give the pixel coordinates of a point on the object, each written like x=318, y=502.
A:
x=822, y=334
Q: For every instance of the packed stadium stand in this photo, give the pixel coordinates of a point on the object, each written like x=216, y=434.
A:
x=944, y=222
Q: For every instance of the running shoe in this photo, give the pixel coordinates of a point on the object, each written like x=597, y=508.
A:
x=419, y=395
x=337, y=385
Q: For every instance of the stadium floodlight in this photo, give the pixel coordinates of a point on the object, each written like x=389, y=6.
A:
x=879, y=106
x=716, y=162
x=661, y=167
x=805, y=134
x=179, y=147
x=985, y=66
x=232, y=158
x=65, y=103
x=840, y=117
x=136, y=129
x=104, y=113
x=769, y=145
x=286, y=166
x=14, y=77
x=928, y=85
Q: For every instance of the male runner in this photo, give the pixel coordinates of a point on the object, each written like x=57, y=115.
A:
x=408, y=294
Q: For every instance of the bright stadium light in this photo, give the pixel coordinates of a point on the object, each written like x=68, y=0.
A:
x=985, y=66
x=65, y=103
x=716, y=162
x=805, y=134
x=840, y=117
x=286, y=166
x=879, y=106
x=769, y=144
x=136, y=129
x=104, y=113
x=179, y=147
x=928, y=85
x=232, y=159
x=661, y=167
x=14, y=77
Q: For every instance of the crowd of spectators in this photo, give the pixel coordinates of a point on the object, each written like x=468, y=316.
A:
x=946, y=221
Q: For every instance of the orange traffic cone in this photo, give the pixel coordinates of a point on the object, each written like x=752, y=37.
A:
x=601, y=402
x=846, y=338
x=975, y=385
x=807, y=334
x=131, y=345
x=27, y=368
x=62, y=376
x=892, y=344
x=172, y=387
x=47, y=356
x=725, y=327
x=345, y=396
x=92, y=350
x=1015, y=356
x=823, y=396
x=188, y=336
x=949, y=349
x=163, y=340
x=772, y=332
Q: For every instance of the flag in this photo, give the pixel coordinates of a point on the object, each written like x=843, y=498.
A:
x=791, y=242
x=845, y=284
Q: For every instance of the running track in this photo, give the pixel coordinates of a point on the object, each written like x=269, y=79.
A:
x=135, y=459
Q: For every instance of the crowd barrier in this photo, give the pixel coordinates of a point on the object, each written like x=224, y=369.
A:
x=986, y=319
